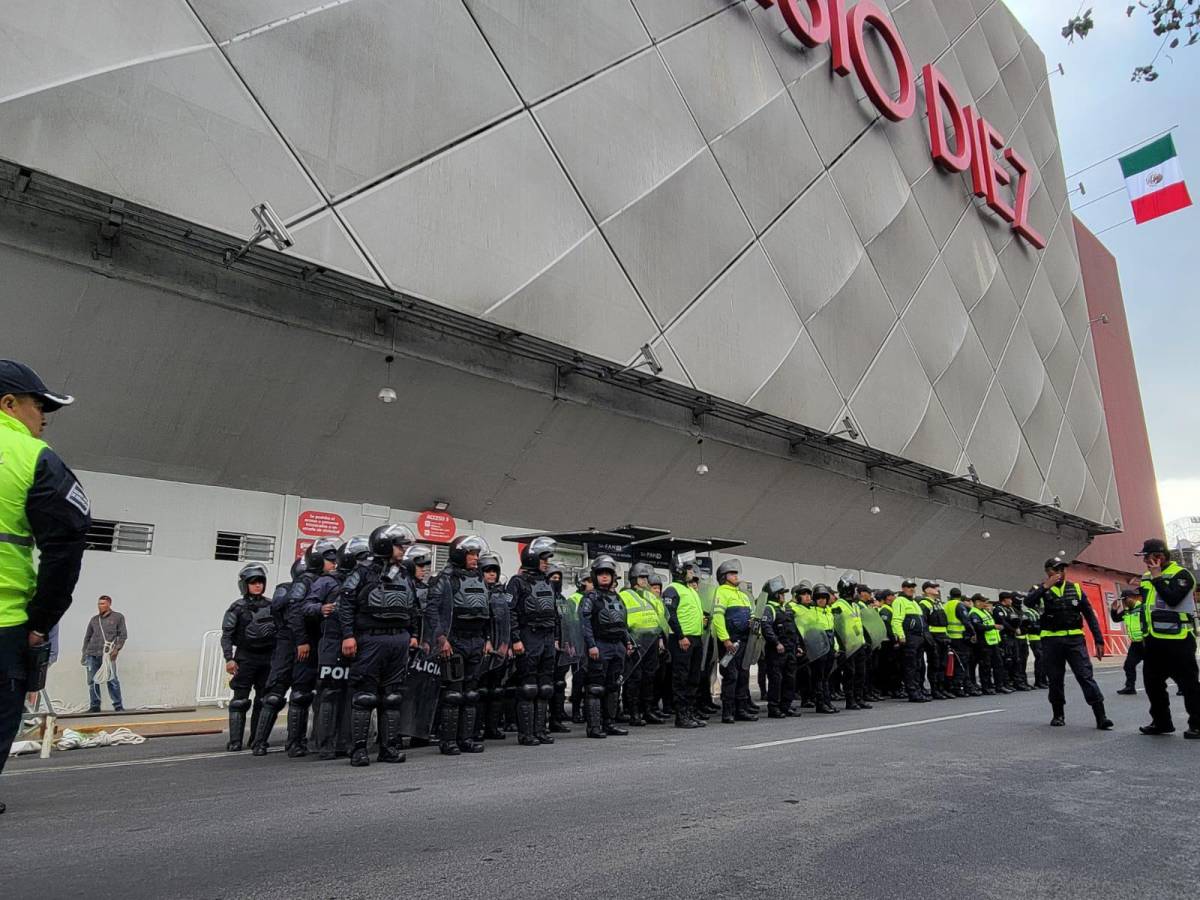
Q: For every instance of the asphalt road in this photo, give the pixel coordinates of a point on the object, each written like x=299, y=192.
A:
x=970, y=798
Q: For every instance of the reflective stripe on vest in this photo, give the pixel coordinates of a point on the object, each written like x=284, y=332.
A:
x=954, y=628
x=1169, y=623
x=991, y=636
x=640, y=614
x=1133, y=623
x=689, y=611
x=19, y=452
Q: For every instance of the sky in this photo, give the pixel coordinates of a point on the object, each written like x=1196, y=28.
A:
x=1100, y=111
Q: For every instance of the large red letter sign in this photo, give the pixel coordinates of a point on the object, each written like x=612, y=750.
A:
x=896, y=110
x=810, y=35
x=938, y=93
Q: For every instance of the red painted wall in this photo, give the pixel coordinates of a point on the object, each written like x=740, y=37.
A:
x=1137, y=487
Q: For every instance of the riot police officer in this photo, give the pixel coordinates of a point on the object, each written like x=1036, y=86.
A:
x=731, y=625
x=987, y=647
x=1008, y=620
x=491, y=680
x=909, y=628
x=333, y=671
x=644, y=623
x=685, y=616
x=847, y=624
x=249, y=627
x=1064, y=610
x=283, y=658
x=305, y=622
x=961, y=633
x=534, y=628
x=937, y=643
x=459, y=616
x=602, y=616
x=822, y=617
x=378, y=608
x=779, y=655
x=562, y=661
x=583, y=585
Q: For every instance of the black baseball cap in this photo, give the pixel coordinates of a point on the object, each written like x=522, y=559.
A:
x=1055, y=562
x=1153, y=545
x=930, y=584
x=908, y=582
x=883, y=593
x=18, y=378
x=1006, y=595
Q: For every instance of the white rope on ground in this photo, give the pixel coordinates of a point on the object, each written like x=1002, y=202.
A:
x=73, y=740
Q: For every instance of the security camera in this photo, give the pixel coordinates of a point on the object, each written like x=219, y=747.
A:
x=271, y=226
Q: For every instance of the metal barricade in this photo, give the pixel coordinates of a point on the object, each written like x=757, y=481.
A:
x=212, y=682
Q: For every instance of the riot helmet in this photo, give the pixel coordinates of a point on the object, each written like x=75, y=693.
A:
x=323, y=550
x=604, y=563
x=250, y=572
x=416, y=555
x=299, y=567
x=657, y=579
x=463, y=546
x=729, y=567
x=536, y=550
x=387, y=537
x=640, y=570
x=489, y=559
x=822, y=590
x=354, y=551
x=775, y=586
x=804, y=587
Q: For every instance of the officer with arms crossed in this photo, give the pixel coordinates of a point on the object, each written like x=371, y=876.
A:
x=250, y=627
x=1169, y=626
x=42, y=505
x=1064, y=609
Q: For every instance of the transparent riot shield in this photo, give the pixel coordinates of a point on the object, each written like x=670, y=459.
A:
x=755, y=642
x=644, y=644
x=422, y=686
x=817, y=646
x=874, y=626
x=848, y=628
x=570, y=640
x=708, y=601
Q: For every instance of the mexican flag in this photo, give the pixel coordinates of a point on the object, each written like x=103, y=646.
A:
x=1155, y=181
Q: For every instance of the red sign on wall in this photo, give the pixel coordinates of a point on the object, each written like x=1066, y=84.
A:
x=315, y=523
x=434, y=525
x=301, y=545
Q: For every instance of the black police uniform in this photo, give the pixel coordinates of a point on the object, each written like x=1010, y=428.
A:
x=604, y=622
x=378, y=606
x=283, y=658
x=534, y=625
x=460, y=611
x=248, y=639
x=1067, y=613
x=333, y=672
x=779, y=627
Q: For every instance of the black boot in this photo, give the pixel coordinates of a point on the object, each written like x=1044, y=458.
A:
x=610, y=724
x=525, y=730
x=297, y=731
x=266, y=724
x=683, y=720
x=558, y=714
x=491, y=717
x=595, y=716
x=448, y=728
x=743, y=713
x=466, y=730
x=541, y=716
x=1103, y=722
x=1128, y=691
x=326, y=724
x=360, y=733
x=1059, y=718
x=237, y=725
x=727, y=716
x=389, y=736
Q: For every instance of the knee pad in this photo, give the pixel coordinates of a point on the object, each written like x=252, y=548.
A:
x=595, y=690
x=527, y=692
x=302, y=698
x=393, y=700
x=364, y=700
x=546, y=691
x=472, y=697
x=273, y=701
x=452, y=698
x=560, y=686
x=239, y=704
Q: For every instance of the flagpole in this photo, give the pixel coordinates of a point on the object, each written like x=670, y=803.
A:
x=1122, y=152
x=1111, y=227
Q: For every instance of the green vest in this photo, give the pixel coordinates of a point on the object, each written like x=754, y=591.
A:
x=991, y=634
x=1133, y=623
x=1034, y=627
x=576, y=598
x=902, y=608
x=852, y=616
x=954, y=628
x=689, y=612
x=640, y=614
x=1166, y=622
x=19, y=452
x=728, y=597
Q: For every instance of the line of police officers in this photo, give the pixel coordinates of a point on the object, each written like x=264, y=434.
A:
x=356, y=622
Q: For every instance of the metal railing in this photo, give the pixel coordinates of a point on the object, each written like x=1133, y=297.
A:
x=212, y=683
